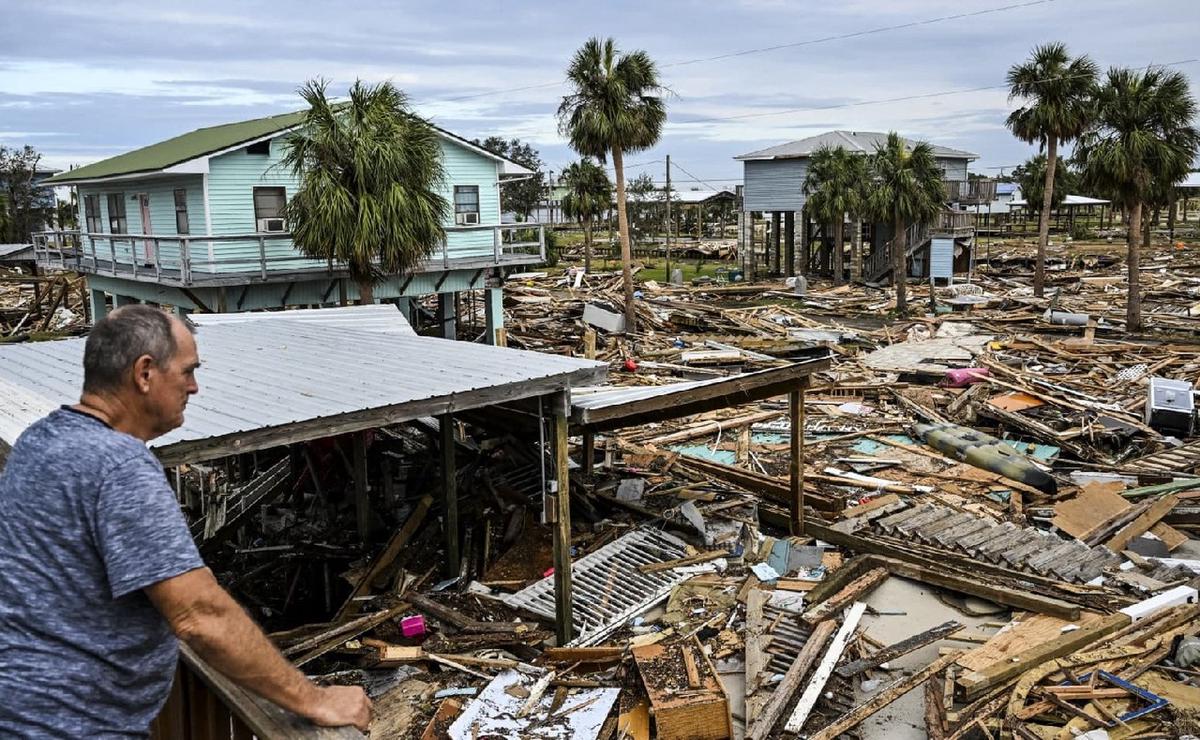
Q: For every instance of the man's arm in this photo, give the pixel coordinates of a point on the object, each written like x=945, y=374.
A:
x=207, y=618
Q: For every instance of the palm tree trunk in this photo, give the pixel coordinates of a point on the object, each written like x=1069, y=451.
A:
x=1133, y=303
x=366, y=292
x=900, y=266
x=587, y=246
x=1039, y=273
x=1147, y=225
x=838, y=267
x=856, y=252
x=626, y=250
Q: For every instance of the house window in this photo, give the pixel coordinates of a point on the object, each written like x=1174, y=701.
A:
x=259, y=147
x=91, y=213
x=466, y=205
x=268, y=209
x=116, y=214
x=181, y=214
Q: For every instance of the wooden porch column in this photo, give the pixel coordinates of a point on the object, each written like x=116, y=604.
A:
x=449, y=493
x=362, y=496
x=776, y=219
x=789, y=242
x=96, y=299
x=796, y=466
x=804, y=240
x=446, y=315
x=589, y=452
x=562, y=523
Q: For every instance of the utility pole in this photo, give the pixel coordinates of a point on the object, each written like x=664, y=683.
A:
x=668, y=242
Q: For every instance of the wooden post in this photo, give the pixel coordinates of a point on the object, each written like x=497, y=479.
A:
x=589, y=452
x=589, y=343
x=362, y=498
x=449, y=494
x=562, y=523
x=776, y=233
x=796, y=466
x=789, y=243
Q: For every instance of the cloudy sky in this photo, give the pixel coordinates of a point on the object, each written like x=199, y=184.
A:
x=82, y=81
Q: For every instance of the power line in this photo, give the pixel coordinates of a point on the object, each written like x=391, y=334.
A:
x=695, y=179
x=900, y=99
x=775, y=47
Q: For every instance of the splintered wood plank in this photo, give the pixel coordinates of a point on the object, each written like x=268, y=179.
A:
x=976, y=682
x=885, y=697
x=756, y=656
x=853, y=590
x=385, y=558
x=635, y=723
x=904, y=647
x=821, y=675
x=1143, y=523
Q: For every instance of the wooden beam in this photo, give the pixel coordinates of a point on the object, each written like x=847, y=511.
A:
x=449, y=495
x=974, y=683
x=362, y=495
x=562, y=523
x=589, y=452
x=385, y=558
x=761, y=723
x=1142, y=523
x=816, y=686
x=885, y=697
x=796, y=460
x=904, y=647
x=756, y=655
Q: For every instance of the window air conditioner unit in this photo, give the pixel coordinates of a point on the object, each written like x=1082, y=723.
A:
x=468, y=219
x=272, y=225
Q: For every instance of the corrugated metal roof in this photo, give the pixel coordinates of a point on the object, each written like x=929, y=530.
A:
x=11, y=250
x=258, y=375
x=381, y=318
x=856, y=141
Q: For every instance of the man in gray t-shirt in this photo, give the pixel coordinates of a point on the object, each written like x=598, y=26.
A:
x=98, y=571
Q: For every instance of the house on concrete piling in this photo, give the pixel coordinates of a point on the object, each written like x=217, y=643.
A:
x=774, y=187
x=196, y=222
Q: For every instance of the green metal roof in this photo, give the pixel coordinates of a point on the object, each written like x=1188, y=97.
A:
x=180, y=149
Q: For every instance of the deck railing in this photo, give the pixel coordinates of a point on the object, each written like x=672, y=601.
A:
x=970, y=191
x=186, y=260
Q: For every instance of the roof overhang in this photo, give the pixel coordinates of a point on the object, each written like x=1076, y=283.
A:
x=605, y=409
x=275, y=382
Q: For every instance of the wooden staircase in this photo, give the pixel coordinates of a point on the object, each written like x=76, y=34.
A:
x=951, y=224
x=878, y=264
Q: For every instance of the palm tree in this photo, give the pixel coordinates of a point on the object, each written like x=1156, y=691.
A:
x=1031, y=178
x=906, y=188
x=834, y=188
x=1058, y=91
x=589, y=194
x=1142, y=138
x=615, y=107
x=369, y=174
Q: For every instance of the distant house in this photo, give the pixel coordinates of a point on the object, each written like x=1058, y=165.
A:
x=774, y=184
x=197, y=222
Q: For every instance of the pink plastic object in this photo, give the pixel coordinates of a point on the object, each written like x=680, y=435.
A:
x=959, y=377
x=413, y=626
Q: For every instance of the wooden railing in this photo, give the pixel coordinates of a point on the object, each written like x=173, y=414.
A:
x=970, y=191
x=186, y=260
x=204, y=705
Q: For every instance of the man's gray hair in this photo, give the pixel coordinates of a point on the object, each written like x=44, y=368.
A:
x=119, y=339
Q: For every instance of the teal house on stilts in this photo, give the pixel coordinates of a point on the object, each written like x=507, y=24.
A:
x=196, y=222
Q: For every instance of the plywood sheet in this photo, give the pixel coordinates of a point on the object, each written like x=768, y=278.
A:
x=1015, y=401
x=1096, y=505
x=1022, y=634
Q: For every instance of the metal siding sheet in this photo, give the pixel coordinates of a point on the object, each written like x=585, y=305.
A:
x=265, y=373
x=774, y=185
x=941, y=258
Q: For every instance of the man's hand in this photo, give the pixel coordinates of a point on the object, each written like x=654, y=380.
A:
x=337, y=706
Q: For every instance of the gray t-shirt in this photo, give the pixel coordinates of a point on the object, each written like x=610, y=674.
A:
x=87, y=520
